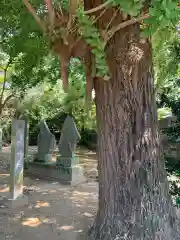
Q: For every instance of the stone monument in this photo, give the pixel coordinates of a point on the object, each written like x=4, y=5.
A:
x=67, y=144
x=46, y=144
x=66, y=169
x=67, y=162
x=26, y=140
x=17, y=165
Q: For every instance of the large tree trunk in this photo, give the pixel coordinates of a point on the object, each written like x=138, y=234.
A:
x=134, y=200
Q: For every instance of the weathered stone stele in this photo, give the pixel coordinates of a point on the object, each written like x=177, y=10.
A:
x=69, y=137
x=17, y=165
x=67, y=162
x=46, y=143
x=68, y=141
x=66, y=170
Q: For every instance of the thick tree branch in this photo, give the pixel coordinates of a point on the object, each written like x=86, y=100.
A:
x=108, y=35
x=7, y=99
x=98, y=8
x=7, y=65
x=2, y=67
x=50, y=11
x=34, y=14
x=73, y=6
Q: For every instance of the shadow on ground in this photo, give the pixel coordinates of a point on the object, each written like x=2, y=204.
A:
x=54, y=211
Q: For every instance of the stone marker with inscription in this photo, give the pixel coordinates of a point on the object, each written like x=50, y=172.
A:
x=66, y=169
x=17, y=165
x=67, y=144
x=66, y=160
x=46, y=144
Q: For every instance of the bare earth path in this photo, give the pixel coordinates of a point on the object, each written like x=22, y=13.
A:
x=54, y=211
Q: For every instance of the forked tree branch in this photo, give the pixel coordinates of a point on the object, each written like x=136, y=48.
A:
x=7, y=99
x=34, y=14
x=2, y=67
x=98, y=8
x=108, y=35
x=73, y=6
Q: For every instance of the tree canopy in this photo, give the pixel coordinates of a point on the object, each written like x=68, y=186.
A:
x=23, y=42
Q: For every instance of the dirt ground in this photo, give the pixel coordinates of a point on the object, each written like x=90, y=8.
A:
x=54, y=211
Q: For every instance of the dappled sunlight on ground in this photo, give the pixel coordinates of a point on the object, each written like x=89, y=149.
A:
x=3, y=175
x=52, y=191
x=66, y=228
x=88, y=214
x=42, y=204
x=4, y=190
x=82, y=196
x=31, y=222
x=55, y=211
x=53, y=215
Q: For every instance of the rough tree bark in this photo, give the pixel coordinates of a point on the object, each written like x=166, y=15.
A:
x=134, y=200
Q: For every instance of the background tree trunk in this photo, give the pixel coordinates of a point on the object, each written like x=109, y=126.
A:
x=134, y=200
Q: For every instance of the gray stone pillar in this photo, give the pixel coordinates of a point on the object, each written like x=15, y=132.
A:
x=17, y=164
